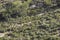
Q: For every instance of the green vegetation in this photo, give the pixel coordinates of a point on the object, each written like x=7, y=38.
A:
x=29, y=20
x=49, y=2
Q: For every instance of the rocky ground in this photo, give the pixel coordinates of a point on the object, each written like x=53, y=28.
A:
x=29, y=20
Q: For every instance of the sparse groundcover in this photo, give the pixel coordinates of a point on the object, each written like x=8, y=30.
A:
x=20, y=21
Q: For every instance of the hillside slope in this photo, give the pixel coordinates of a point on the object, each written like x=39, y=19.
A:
x=29, y=20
